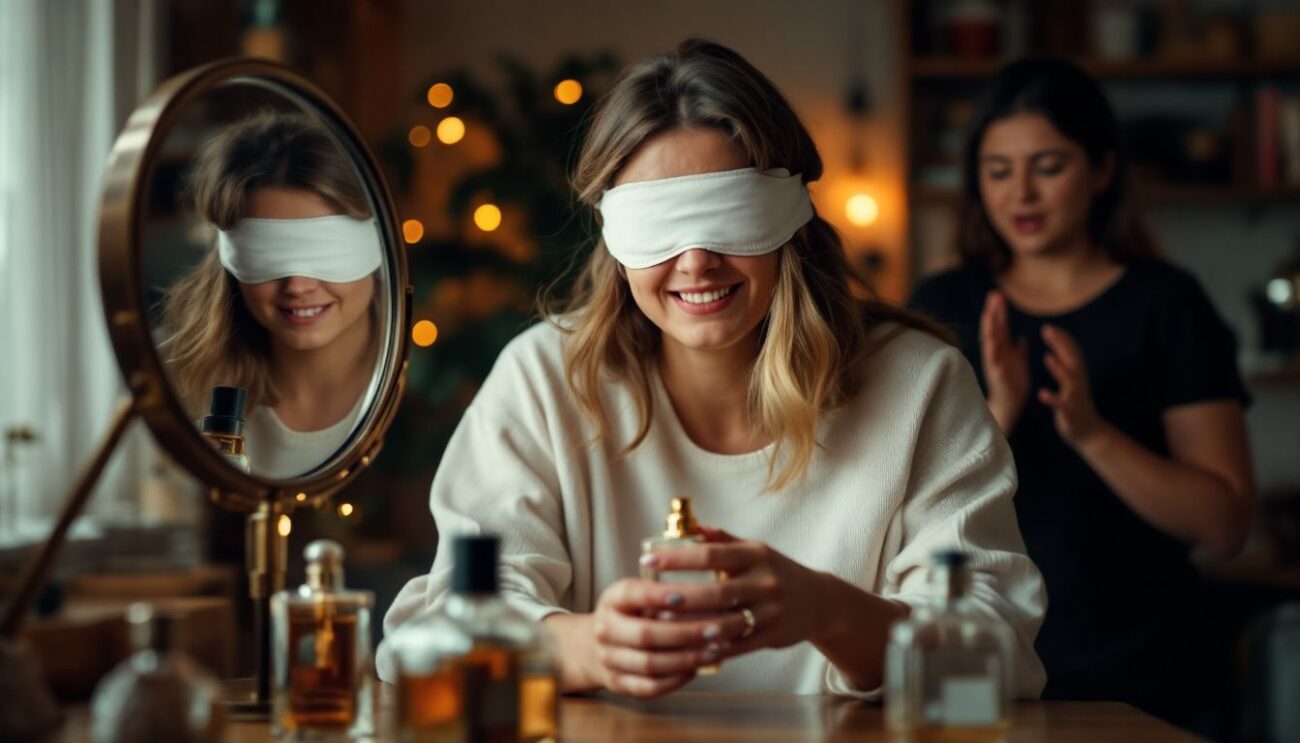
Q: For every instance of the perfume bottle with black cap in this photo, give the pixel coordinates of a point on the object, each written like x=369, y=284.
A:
x=475, y=669
x=224, y=424
x=948, y=666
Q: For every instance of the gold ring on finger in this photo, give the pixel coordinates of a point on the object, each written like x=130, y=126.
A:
x=750, y=622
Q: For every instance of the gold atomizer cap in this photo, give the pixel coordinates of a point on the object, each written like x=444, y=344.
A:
x=681, y=520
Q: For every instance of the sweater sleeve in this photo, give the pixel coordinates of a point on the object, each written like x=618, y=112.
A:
x=498, y=475
x=960, y=497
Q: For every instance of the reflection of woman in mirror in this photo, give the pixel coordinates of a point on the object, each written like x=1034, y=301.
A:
x=1115, y=381
x=286, y=304
x=716, y=349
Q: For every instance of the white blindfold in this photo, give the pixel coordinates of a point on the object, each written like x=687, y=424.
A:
x=336, y=249
x=736, y=212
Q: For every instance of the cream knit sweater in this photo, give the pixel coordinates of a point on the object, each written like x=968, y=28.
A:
x=913, y=464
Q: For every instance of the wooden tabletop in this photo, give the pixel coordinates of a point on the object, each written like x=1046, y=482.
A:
x=683, y=718
x=718, y=717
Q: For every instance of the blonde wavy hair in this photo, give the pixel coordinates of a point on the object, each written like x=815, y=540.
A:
x=817, y=331
x=211, y=337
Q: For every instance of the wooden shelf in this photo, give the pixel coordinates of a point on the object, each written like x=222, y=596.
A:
x=958, y=68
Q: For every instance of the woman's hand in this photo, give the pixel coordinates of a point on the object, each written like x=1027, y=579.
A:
x=630, y=650
x=1073, y=411
x=768, y=600
x=1005, y=362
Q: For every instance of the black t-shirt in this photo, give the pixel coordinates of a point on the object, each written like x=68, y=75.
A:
x=1120, y=592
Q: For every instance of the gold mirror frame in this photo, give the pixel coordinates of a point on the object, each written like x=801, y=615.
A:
x=126, y=310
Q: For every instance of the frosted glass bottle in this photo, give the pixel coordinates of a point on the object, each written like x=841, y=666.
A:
x=948, y=668
x=158, y=693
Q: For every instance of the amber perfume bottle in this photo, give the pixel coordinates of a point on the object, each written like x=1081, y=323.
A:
x=224, y=424
x=680, y=530
x=948, y=667
x=321, y=653
x=158, y=693
x=474, y=669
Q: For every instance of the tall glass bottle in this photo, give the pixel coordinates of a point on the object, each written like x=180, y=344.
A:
x=321, y=657
x=158, y=693
x=475, y=669
x=948, y=667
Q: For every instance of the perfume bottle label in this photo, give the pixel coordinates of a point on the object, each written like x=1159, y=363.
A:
x=686, y=576
x=969, y=700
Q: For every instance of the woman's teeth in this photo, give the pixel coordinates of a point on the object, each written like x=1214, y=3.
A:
x=705, y=297
x=305, y=311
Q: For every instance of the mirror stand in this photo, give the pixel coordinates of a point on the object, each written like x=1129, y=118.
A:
x=266, y=548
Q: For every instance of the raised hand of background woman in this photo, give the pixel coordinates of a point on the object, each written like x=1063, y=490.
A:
x=1074, y=413
x=1005, y=362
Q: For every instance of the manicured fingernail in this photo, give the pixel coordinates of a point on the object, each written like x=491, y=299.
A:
x=711, y=632
x=674, y=599
x=711, y=654
x=649, y=560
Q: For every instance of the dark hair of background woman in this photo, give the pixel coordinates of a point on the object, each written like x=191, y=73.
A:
x=1074, y=103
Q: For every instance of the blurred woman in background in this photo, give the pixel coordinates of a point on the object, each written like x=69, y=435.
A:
x=1114, y=380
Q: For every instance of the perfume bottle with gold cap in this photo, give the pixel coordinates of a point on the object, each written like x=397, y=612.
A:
x=680, y=530
x=322, y=660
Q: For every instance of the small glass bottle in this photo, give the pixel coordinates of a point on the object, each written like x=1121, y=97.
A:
x=948, y=667
x=321, y=653
x=680, y=530
x=158, y=693
x=224, y=425
x=475, y=669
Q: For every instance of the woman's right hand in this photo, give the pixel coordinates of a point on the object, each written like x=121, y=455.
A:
x=617, y=648
x=1005, y=362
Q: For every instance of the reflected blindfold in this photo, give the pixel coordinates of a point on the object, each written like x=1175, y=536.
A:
x=736, y=212
x=336, y=249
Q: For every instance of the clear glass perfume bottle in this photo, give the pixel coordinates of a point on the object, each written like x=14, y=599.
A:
x=321, y=653
x=224, y=425
x=158, y=693
x=948, y=667
x=680, y=529
x=474, y=669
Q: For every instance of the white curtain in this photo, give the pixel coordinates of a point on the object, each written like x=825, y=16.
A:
x=70, y=72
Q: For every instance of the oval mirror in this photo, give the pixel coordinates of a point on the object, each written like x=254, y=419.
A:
x=254, y=281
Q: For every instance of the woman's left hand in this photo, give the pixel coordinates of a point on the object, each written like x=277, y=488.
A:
x=1073, y=411
x=783, y=598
